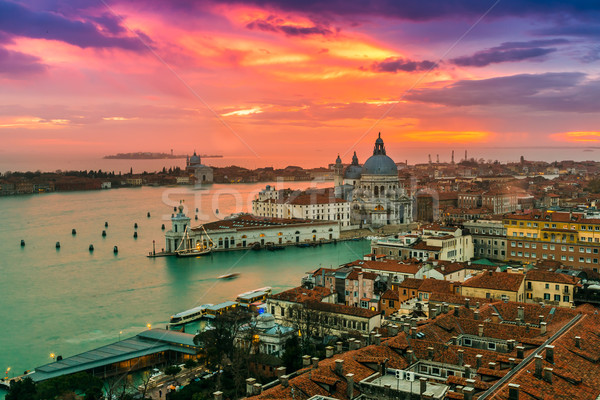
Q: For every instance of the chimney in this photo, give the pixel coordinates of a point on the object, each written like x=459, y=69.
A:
x=284, y=380
x=477, y=305
x=430, y=353
x=315, y=362
x=372, y=337
x=461, y=357
x=393, y=330
x=339, y=367
x=543, y=328
x=520, y=352
x=476, y=315
x=350, y=383
x=467, y=301
x=387, y=388
x=467, y=371
x=454, y=340
x=511, y=344
x=422, y=385
x=550, y=354
x=305, y=361
x=413, y=332
x=328, y=351
x=541, y=318
x=218, y=395
x=257, y=389
x=445, y=308
x=478, y=361
x=468, y=393
x=378, y=339
x=338, y=347
x=512, y=362
x=406, y=327
x=513, y=391
x=578, y=342
x=470, y=382
x=250, y=386
x=456, y=311
x=538, y=366
x=492, y=365
x=413, y=322
x=480, y=330
x=548, y=374
x=433, y=313
x=280, y=372
x=521, y=313
x=495, y=318
x=411, y=356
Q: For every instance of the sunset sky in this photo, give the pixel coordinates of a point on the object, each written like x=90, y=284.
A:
x=297, y=82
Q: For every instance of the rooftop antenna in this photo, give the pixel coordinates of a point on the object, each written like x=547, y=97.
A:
x=452, y=156
x=437, y=158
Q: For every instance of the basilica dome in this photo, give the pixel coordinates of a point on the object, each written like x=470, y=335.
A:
x=379, y=163
x=195, y=159
x=354, y=170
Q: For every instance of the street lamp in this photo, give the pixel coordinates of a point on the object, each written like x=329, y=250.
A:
x=52, y=356
x=149, y=326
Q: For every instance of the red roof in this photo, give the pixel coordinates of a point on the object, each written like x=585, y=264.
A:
x=496, y=280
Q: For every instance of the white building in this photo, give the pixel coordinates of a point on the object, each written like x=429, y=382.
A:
x=265, y=335
x=377, y=198
x=303, y=205
x=248, y=231
x=201, y=173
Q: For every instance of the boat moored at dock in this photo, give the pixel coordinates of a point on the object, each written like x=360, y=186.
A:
x=190, y=315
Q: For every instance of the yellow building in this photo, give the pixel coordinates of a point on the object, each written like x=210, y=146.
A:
x=550, y=287
x=566, y=237
x=495, y=285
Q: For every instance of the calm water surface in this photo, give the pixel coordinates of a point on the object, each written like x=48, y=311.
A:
x=71, y=300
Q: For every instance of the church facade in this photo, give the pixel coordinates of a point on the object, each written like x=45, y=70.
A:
x=201, y=173
x=374, y=191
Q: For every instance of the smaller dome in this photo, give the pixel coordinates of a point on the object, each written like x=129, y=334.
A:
x=265, y=321
x=338, y=160
x=195, y=159
x=353, y=172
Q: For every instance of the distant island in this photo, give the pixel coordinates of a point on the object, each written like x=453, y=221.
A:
x=153, y=156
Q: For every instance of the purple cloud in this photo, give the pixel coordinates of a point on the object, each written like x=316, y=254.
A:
x=509, y=52
x=16, y=64
x=563, y=92
x=273, y=24
x=18, y=20
x=395, y=64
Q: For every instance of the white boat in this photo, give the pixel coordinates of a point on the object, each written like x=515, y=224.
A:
x=185, y=248
x=190, y=315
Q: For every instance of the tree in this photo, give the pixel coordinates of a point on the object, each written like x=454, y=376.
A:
x=218, y=343
x=189, y=364
x=292, y=354
x=172, y=370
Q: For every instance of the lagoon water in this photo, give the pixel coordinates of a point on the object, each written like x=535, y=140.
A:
x=69, y=300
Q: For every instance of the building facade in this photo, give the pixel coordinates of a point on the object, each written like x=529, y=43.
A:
x=200, y=173
x=489, y=238
x=377, y=198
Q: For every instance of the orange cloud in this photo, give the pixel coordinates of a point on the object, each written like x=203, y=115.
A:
x=444, y=136
x=576, y=137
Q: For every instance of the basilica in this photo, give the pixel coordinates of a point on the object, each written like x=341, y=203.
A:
x=200, y=172
x=374, y=191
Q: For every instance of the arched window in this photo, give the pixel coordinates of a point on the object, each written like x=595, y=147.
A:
x=376, y=191
x=382, y=190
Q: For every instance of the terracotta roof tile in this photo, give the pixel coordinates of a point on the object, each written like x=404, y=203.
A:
x=494, y=280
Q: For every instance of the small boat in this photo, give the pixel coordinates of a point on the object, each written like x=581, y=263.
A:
x=274, y=248
x=115, y=249
x=184, y=251
x=106, y=224
x=233, y=275
x=135, y=235
x=58, y=245
x=256, y=246
x=192, y=253
x=73, y=231
x=91, y=248
x=135, y=225
x=303, y=245
x=103, y=233
x=162, y=227
x=22, y=243
x=190, y=315
x=148, y=214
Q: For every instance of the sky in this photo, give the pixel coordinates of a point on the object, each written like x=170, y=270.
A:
x=297, y=82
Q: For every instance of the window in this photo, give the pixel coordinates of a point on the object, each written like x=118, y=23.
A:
x=491, y=346
x=545, y=246
x=467, y=342
x=557, y=297
x=547, y=286
x=566, y=299
x=546, y=296
x=435, y=371
x=534, y=246
x=512, y=253
x=563, y=258
x=563, y=248
x=552, y=247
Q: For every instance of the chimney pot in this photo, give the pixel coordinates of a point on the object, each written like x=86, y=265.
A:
x=476, y=315
x=468, y=371
x=280, y=372
x=250, y=386
x=257, y=389
x=548, y=375
x=467, y=301
x=478, y=361
x=350, y=385
x=461, y=357
x=406, y=327
x=378, y=339
x=305, y=360
x=492, y=365
x=543, y=328
x=468, y=393
x=315, y=362
x=329, y=351
x=413, y=332
x=422, y=385
x=480, y=329
x=393, y=330
x=578, y=342
x=218, y=395
x=550, y=354
x=495, y=318
x=338, y=347
x=538, y=366
x=513, y=391
x=284, y=380
x=430, y=353
x=520, y=352
x=470, y=382
x=339, y=366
